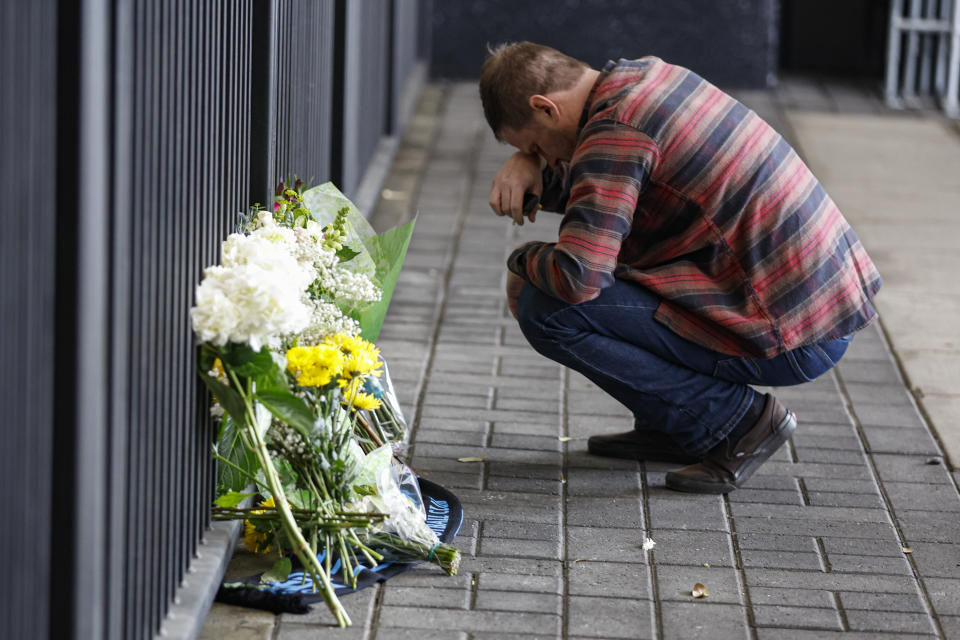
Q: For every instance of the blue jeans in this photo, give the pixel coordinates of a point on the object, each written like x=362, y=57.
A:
x=688, y=392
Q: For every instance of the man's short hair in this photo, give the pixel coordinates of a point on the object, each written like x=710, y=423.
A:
x=514, y=72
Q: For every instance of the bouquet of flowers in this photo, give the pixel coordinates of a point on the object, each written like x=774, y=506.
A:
x=308, y=418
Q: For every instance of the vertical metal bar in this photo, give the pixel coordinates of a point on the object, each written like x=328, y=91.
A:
x=86, y=383
x=891, y=85
x=909, y=89
x=263, y=103
x=952, y=103
x=926, y=50
x=943, y=48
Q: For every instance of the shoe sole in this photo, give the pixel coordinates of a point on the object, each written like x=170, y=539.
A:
x=623, y=452
x=783, y=432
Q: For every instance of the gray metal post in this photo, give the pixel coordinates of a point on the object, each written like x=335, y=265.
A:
x=891, y=88
x=950, y=104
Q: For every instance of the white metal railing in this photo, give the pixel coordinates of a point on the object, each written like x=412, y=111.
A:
x=923, y=54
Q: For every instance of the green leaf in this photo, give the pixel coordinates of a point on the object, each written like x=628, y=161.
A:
x=246, y=362
x=279, y=572
x=231, y=447
x=232, y=499
x=276, y=378
x=346, y=254
x=228, y=398
x=288, y=407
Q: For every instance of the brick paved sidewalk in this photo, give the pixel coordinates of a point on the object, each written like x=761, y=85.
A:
x=817, y=543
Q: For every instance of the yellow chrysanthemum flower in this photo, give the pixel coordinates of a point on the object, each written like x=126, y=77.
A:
x=252, y=538
x=361, y=357
x=354, y=395
x=315, y=366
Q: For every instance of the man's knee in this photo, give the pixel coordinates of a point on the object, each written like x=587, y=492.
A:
x=537, y=314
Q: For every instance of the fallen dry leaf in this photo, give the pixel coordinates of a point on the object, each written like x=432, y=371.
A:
x=471, y=459
x=699, y=591
x=567, y=438
x=580, y=560
x=908, y=549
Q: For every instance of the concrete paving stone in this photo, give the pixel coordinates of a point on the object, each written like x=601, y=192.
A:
x=524, y=441
x=608, y=579
x=833, y=456
x=824, y=413
x=523, y=470
x=453, y=480
x=358, y=605
x=897, y=440
x=481, y=621
x=692, y=548
x=547, y=428
x=392, y=633
x=602, y=482
x=771, y=482
x=676, y=583
x=528, y=485
x=702, y=619
x=479, y=401
x=514, y=601
x=776, y=542
x=521, y=404
x=840, y=486
x=889, y=621
x=609, y=617
x=875, y=415
x=856, y=500
x=810, y=513
x=811, y=470
x=607, y=543
x=865, y=346
x=797, y=617
x=868, y=564
x=513, y=512
x=673, y=510
x=857, y=373
x=886, y=546
x=452, y=424
x=426, y=597
x=516, y=547
x=490, y=454
x=892, y=394
x=578, y=457
x=622, y=512
x=843, y=441
x=937, y=560
x=906, y=602
x=950, y=626
x=828, y=581
x=907, y=495
x=929, y=526
x=773, y=633
x=470, y=380
x=513, y=566
x=943, y=595
x=226, y=620
x=525, y=370
x=807, y=598
x=519, y=582
x=771, y=525
x=781, y=559
x=297, y=631
x=534, y=500
x=453, y=438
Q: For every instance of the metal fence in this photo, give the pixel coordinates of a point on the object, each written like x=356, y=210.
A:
x=127, y=154
x=923, y=54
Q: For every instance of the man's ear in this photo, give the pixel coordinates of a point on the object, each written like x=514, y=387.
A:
x=544, y=106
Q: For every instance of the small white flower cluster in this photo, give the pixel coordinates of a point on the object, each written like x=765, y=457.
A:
x=327, y=320
x=344, y=284
x=288, y=438
x=256, y=294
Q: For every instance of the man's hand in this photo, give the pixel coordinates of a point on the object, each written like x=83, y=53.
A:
x=514, y=287
x=519, y=174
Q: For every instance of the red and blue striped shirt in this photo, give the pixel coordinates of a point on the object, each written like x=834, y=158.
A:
x=679, y=187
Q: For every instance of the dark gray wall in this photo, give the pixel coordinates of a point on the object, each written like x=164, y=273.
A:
x=731, y=43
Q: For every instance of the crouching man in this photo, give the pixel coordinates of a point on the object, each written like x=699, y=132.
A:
x=697, y=255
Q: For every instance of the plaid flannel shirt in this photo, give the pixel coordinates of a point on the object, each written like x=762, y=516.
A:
x=679, y=187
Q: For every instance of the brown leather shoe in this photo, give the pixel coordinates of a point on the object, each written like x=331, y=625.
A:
x=639, y=445
x=726, y=467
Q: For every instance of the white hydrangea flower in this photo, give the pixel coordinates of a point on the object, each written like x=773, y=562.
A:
x=255, y=296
